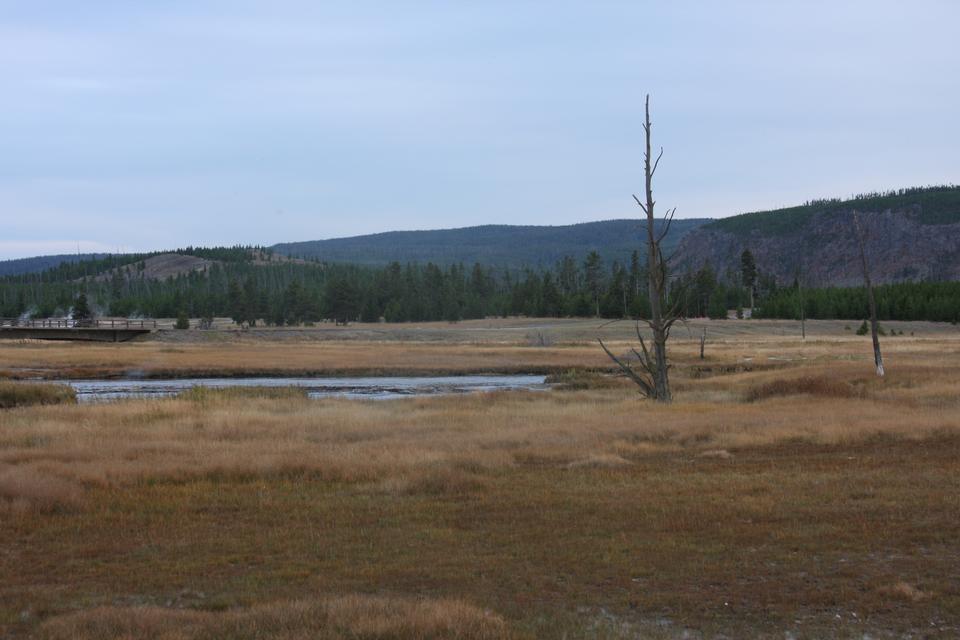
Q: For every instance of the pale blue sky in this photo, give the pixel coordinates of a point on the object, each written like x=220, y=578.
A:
x=148, y=125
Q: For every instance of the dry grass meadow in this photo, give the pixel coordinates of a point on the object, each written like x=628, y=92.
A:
x=787, y=492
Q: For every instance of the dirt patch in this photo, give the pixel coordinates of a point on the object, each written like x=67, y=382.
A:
x=718, y=454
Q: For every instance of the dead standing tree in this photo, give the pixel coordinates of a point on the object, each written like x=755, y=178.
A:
x=652, y=375
x=874, y=325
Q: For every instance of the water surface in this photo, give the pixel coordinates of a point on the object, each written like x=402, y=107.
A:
x=380, y=388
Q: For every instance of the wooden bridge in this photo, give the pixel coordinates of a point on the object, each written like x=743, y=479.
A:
x=105, y=330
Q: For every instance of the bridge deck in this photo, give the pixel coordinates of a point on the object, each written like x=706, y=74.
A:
x=109, y=330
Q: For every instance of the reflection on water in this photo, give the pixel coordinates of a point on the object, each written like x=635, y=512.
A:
x=380, y=388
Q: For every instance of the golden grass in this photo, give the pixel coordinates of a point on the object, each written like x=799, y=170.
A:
x=230, y=435
x=25, y=394
x=468, y=347
x=818, y=387
x=269, y=358
x=583, y=513
x=343, y=618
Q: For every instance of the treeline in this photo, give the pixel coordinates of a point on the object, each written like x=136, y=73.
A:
x=252, y=292
x=294, y=293
x=932, y=301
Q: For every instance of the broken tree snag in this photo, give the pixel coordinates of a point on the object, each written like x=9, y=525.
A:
x=653, y=382
x=874, y=325
x=703, y=340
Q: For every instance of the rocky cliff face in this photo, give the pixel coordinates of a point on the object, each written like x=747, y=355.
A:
x=900, y=247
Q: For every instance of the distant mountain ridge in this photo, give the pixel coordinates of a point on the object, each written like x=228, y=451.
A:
x=36, y=264
x=911, y=235
x=499, y=245
x=512, y=246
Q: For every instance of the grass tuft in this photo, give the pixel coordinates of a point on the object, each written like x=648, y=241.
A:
x=208, y=394
x=25, y=488
x=813, y=386
x=434, y=482
x=904, y=591
x=354, y=617
x=27, y=394
x=582, y=379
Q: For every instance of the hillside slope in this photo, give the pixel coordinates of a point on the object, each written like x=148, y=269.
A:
x=911, y=235
x=159, y=267
x=499, y=245
x=37, y=264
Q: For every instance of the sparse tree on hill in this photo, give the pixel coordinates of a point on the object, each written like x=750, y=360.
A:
x=652, y=377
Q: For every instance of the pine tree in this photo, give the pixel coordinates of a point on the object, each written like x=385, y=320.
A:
x=748, y=271
x=81, y=308
x=593, y=276
x=343, y=299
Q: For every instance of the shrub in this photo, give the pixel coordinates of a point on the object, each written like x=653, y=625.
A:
x=864, y=329
x=26, y=394
x=183, y=322
x=580, y=379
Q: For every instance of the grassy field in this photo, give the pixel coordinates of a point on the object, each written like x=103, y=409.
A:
x=787, y=491
x=503, y=346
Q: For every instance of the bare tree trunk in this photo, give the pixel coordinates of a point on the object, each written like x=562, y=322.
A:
x=703, y=340
x=653, y=380
x=657, y=276
x=874, y=325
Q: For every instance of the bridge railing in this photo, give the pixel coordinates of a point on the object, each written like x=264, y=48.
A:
x=70, y=323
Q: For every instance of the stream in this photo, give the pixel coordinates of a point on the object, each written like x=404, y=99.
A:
x=378, y=388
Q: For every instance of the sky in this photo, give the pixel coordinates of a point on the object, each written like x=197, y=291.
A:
x=135, y=126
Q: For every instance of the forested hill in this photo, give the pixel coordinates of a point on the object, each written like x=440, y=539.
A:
x=910, y=235
x=490, y=245
x=42, y=263
x=494, y=245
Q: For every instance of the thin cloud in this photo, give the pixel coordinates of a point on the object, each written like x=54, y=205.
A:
x=376, y=115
